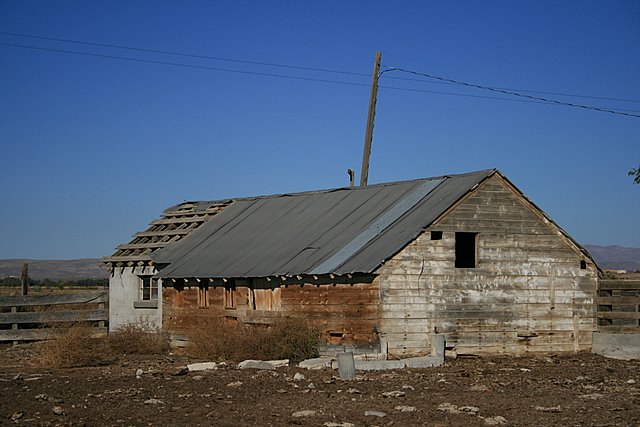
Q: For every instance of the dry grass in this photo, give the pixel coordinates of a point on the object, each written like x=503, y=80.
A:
x=138, y=338
x=77, y=345
x=73, y=346
x=224, y=339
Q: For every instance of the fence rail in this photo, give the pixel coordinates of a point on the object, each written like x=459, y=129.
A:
x=619, y=306
x=33, y=317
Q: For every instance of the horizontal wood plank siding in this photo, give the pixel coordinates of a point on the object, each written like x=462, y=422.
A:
x=36, y=317
x=527, y=292
x=346, y=313
x=619, y=305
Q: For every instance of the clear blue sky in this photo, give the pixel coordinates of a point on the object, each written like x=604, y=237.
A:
x=93, y=149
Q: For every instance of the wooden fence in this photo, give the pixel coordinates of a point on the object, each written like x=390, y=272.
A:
x=619, y=306
x=27, y=318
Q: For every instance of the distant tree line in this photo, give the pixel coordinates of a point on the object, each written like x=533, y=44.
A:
x=15, y=281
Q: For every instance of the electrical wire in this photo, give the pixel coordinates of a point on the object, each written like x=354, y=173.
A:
x=531, y=99
x=572, y=95
x=188, y=55
x=512, y=93
x=202, y=67
x=178, y=64
x=294, y=67
x=465, y=95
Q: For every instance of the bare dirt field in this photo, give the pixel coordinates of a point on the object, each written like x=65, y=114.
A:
x=553, y=390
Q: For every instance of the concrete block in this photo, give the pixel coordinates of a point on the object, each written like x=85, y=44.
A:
x=616, y=346
x=346, y=366
x=316, y=363
x=424, y=362
x=202, y=366
x=437, y=345
x=379, y=365
x=262, y=364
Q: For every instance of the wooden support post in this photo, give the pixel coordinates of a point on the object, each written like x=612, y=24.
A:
x=14, y=326
x=101, y=323
x=364, y=174
x=24, y=279
x=576, y=333
x=552, y=291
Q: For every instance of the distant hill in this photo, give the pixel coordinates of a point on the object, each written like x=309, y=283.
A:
x=607, y=257
x=615, y=257
x=86, y=268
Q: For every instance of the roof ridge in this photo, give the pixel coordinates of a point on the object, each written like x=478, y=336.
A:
x=329, y=190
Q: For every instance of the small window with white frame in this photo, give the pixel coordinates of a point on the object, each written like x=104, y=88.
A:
x=148, y=288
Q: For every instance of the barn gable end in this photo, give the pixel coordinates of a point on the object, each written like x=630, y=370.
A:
x=528, y=287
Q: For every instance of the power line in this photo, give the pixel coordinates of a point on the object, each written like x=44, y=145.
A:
x=509, y=92
x=294, y=67
x=465, y=95
x=188, y=55
x=531, y=99
x=572, y=95
x=178, y=64
x=202, y=67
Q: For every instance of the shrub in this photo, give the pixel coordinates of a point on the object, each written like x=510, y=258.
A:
x=224, y=339
x=294, y=339
x=138, y=338
x=73, y=345
x=80, y=344
x=219, y=339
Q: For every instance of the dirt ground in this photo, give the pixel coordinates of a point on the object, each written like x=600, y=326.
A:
x=552, y=390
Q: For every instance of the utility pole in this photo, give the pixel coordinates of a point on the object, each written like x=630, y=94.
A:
x=368, y=136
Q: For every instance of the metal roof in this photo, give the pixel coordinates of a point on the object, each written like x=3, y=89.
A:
x=347, y=230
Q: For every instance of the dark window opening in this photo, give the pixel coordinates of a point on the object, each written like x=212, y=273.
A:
x=436, y=235
x=466, y=249
x=583, y=265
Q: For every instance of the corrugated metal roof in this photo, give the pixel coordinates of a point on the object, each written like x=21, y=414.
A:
x=337, y=231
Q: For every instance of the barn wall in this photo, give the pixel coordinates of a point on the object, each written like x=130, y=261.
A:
x=347, y=314
x=345, y=311
x=527, y=292
x=125, y=298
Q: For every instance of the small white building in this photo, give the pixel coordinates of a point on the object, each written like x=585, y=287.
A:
x=135, y=295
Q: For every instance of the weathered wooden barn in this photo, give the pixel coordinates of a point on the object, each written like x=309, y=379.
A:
x=380, y=268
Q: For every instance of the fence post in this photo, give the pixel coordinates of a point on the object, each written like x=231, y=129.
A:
x=14, y=326
x=101, y=323
x=24, y=279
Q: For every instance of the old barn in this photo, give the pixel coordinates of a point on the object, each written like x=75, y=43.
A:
x=380, y=268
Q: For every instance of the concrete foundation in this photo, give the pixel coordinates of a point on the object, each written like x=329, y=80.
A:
x=435, y=359
x=616, y=346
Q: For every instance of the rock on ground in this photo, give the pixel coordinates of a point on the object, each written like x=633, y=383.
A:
x=263, y=364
